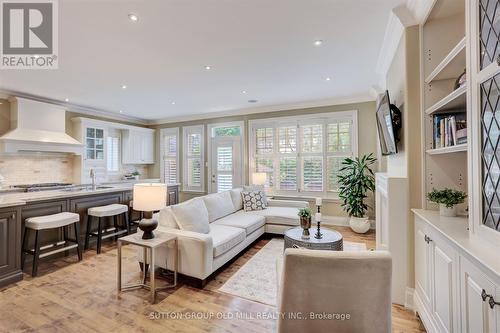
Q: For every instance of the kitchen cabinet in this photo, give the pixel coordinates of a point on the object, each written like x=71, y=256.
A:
x=172, y=195
x=10, y=246
x=138, y=147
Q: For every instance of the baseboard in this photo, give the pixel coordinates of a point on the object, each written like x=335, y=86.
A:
x=410, y=299
x=341, y=221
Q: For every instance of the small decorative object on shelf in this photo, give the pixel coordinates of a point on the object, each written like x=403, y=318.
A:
x=149, y=198
x=317, y=217
x=356, y=178
x=305, y=221
x=447, y=199
x=460, y=81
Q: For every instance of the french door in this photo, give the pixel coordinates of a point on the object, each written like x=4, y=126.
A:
x=226, y=164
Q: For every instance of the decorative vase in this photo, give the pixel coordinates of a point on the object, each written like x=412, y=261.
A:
x=359, y=225
x=147, y=226
x=305, y=224
x=447, y=211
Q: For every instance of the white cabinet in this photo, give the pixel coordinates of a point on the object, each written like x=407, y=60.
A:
x=476, y=291
x=436, y=282
x=138, y=146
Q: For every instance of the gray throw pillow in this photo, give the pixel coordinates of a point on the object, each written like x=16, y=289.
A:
x=256, y=188
x=253, y=200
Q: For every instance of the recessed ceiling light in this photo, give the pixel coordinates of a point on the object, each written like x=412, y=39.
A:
x=244, y=92
x=207, y=68
x=124, y=86
x=66, y=99
x=132, y=17
x=327, y=79
x=173, y=103
x=318, y=42
x=120, y=111
x=252, y=101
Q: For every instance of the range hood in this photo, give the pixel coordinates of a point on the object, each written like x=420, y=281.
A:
x=38, y=127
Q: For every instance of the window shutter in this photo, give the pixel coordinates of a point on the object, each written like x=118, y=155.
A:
x=193, y=174
x=312, y=138
x=288, y=174
x=265, y=165
x=312, y=170
x=339, y=137
x=113, y=146
x=287, y=139
x=264, y=140
x=170, y=159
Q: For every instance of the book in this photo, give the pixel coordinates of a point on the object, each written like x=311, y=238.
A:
x=449, y=129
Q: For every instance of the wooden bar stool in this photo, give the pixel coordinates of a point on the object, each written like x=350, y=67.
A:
x=39, y=223
x=131, y=211
x=110, y=211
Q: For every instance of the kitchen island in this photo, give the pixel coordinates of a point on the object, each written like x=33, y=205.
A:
x=16, y=207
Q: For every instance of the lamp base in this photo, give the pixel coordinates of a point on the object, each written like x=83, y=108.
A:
x=147, y=226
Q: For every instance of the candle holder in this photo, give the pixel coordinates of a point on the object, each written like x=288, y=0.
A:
x=318, y=234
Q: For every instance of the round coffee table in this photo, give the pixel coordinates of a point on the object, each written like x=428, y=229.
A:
x=332, y=240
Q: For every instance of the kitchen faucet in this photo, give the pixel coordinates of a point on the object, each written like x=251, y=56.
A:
x=93, y=176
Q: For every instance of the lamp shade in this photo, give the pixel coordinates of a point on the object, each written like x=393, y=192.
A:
x=150, y=197
x=259, y=178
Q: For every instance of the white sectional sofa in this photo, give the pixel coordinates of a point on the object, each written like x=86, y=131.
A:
x=231, y=230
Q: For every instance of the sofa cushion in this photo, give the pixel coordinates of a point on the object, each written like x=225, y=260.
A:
x=279, y=215
x=236, y=197
x=166, y=218
x=248, y=221
x=253, y=200
x=218, y=205
x=192, y=215
x=224, y=238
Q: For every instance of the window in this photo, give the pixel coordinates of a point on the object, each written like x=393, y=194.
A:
x=94, y=143
x=113, y=155
x=169, y=147
x=193, y=154
x=302, y=155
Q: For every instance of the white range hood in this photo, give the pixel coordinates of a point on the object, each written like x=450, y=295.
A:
x=38, y=127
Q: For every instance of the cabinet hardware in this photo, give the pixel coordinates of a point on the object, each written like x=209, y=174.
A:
x=427, y=239
x=13, y=216
x=484, y=295
x=492, y=302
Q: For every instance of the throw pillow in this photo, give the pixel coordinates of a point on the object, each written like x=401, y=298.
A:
x=256, y=188
x=253, y=200
x=166, y=218
x=218, y=205
x=236, y=197
x=192, y=215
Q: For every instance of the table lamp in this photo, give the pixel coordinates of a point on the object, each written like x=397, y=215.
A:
x=259, y=178
x=149, y=198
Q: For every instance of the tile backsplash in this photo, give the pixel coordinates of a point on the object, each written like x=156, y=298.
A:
x=36, y=169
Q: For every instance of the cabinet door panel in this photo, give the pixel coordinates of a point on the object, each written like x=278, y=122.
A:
x=9, y=242
x=422, y=282
x=443, y=274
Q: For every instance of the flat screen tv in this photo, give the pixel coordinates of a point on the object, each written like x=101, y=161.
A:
x=388, y=124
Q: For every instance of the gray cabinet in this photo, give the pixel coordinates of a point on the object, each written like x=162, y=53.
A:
x=172, y=195
x=10, y=246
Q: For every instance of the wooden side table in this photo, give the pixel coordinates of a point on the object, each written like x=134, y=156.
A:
x=160, y=239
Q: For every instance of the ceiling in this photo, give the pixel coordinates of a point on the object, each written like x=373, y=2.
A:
x=263, y=47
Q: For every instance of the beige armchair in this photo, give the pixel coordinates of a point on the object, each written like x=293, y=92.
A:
x=335, y=291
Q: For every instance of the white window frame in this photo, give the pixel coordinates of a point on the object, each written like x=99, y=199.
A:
x=168, y=132
x=210, y=130
x=275, y=123
x=186, y=130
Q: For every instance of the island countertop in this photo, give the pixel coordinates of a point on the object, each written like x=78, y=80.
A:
x=10, y=199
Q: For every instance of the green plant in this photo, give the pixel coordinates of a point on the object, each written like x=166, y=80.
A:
x=136, y=173
x=356, y=178
x=305, y=213
x=447, y=197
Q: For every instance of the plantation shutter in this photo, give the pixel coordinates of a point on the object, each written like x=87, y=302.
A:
x=193, y=154
x=312, y=157
x=338, y=146
x=113, y=157
x=170, y=159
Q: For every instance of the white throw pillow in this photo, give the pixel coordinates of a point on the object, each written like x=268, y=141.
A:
x=192, y=215
x=166, y=218
x=253, y=200
x=236, y=197
x=218, y=205
x=257, y=188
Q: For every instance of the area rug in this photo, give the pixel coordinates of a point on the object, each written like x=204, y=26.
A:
x=256, y=279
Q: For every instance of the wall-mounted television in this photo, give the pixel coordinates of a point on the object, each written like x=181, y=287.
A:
x=388, y=124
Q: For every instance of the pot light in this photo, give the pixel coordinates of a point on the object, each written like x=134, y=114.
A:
x=120, y=111
x=132, y=17
x=66, y=99
x=318, y=42
x=173, y=103
x=244, y=92
x=124, y=86
x=328, y=79
x=207, y=68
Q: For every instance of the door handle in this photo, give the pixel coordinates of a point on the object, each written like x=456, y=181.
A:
x=484, y=295
x=492, y=302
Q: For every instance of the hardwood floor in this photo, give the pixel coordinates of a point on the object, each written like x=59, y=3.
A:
x=68, y=296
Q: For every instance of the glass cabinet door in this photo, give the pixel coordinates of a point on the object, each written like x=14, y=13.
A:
x=94, y=144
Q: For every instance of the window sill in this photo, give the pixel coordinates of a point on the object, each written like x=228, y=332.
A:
x=304, y=197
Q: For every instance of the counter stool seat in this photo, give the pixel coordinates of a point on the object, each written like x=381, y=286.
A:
x=52, y=221
x=39, y=223
x=109, y=210
x=112, y=211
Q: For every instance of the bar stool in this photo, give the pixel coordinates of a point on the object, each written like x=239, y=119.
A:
x=131, y=211
x=39, y=223
x=112, y=211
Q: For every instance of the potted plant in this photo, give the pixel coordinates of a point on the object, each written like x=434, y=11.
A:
x=136, y=174
x=305, y=221
x=447, y=199
x=356, y=178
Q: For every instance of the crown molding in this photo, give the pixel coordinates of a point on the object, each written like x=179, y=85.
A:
x=270, y=108
x=420, y=9
x=87, y=110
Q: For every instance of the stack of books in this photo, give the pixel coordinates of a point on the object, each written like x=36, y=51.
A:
x=450, y=129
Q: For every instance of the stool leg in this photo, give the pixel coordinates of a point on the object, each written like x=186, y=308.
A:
x=65, y=235
x=36, y=255
x=77, y=239
x=87, y=232
x=127, y=222
x=115, y=224
x=23, y=248
x=99, y=236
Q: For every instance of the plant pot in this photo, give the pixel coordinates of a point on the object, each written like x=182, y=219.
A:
x=359, y=225
x=305, y=224
x=447, y=211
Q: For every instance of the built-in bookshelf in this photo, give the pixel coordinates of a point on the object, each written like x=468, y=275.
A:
x=444, y=98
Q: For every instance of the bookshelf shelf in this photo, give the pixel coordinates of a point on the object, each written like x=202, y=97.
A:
x=452, y=65
x=448, y=150
x=455, y=100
